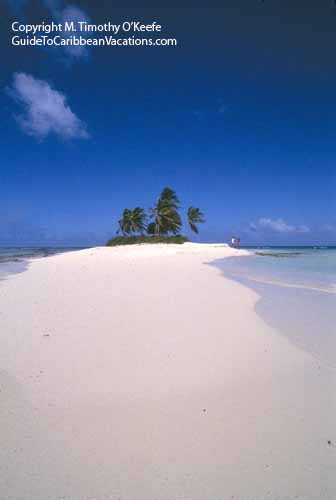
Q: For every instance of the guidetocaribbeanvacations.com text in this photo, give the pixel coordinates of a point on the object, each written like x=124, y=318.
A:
x=63, y=34
x=108, y=41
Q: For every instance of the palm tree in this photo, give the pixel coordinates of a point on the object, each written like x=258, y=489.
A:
x=132, y=221
x=168, y=195
x=123, y=223
x=195, y=216
x=165, y=213
x=151, y=228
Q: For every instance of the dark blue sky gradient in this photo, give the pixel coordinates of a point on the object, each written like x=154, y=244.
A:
x=240, y=119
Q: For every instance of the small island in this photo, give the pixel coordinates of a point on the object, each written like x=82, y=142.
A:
x=162, y=224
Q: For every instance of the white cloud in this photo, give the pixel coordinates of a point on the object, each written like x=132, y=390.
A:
x=45, y=110
x=60, y=14
x=68, y=14
x=277, y=225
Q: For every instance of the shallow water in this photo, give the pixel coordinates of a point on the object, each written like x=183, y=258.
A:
x=7, y=268
x=297, y=294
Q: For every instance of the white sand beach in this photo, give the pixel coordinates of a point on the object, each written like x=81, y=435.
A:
x=142, y=373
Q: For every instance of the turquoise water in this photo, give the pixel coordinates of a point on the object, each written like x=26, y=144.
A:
x=297, y=293
x=301, y=267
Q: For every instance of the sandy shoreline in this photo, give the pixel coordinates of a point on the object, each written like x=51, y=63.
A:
x=142, y=373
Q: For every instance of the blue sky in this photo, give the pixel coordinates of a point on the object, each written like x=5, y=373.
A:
x=238, y=118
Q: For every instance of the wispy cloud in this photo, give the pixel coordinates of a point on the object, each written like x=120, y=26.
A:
x=71, y=13
x=45, y=110
x=60, y=14
x=278, y=226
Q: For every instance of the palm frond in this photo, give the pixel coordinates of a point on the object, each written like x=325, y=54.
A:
x=195, y=216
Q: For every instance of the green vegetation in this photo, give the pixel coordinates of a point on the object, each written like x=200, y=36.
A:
x=165, y=213
x=132, y=221
x=165, y=224
x=134, y=240
x=195, y=216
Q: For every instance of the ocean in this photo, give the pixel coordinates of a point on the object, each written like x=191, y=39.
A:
x=297, y=293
